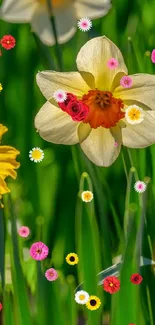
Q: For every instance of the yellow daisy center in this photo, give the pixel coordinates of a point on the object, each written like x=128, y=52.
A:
x=134, y=114
x=87, y=196
x=82, y=297
x=36, y=154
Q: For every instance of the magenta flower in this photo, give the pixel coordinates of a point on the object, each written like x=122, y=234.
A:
x=39, y=251
x=126, y=82
x=23, y=231
x=153, y=56
x=51, y=274
x=112, y=63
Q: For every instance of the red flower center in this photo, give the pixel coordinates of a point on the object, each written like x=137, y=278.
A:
x=104, y=109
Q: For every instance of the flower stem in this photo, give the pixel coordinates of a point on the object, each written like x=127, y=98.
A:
x=57, y=47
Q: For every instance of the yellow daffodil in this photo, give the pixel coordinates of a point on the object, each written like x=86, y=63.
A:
x=66, y=13
x=97, y=84
x=7, y=163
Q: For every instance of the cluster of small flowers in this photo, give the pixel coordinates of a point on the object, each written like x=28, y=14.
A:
x=111, y=284
x=70, y=104
x=8, y=42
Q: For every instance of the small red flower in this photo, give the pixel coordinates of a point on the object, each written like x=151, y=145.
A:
x=74, y=107
x=136, y=278
x=111, y=284
x=70, y=97
x=1, y=306
x=8, y=42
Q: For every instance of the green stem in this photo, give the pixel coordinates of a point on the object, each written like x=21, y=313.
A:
x=57, y=47
x=44, y=50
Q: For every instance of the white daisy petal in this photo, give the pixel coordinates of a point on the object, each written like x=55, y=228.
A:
x=134, y=114
x=84, y=24
x=81, y=297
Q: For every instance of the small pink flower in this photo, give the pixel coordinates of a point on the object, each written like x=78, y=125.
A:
x=140, y=187
x=51, y=274
x=115, y=144
x=153, y=56
x=84, y=24
x=39, y=251
x=23, y=231
x=112, y=63
x=126, y=82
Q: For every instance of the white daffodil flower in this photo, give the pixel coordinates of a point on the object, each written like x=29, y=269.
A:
x=98, y=86
x=66, y=13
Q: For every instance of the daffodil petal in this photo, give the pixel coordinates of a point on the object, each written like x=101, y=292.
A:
x=73, y=82
x=140, y=135
x=142, y=91
x=18, y=10
x=41, y=25
x=56, y=126
x=65, y=20
x=84, y=130
x=93, y=58
x=100, y=148
x=92, y=9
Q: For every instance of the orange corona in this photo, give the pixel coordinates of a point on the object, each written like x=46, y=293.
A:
x=104, y=109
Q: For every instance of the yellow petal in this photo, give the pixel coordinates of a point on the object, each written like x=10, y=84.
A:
x=140, y=135
x=3, y=129
x=56, y=126
x=3, y=187
x=8, y=161
x=18, y=10
x=99, y=146
x=73, y=82
x=93, y=58
x=92, y=9
x=142, y=91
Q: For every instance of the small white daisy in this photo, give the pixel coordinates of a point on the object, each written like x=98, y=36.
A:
x=36, y=155
x=87, y=196
x=134, y=114
x=140, y=187
x=60, y=96
x=84, y=24
x=81, y=297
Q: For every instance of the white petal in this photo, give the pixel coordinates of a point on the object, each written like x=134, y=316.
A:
x=140, y=135
x=142, y=91
x=92, y=9
x=18, y=10
x=93, y=58
x=41, y=25
x=73, y=82
x=99, y=147
x=56, y=126
x=65, y=20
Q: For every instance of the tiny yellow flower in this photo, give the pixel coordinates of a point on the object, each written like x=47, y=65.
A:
x=87, y=196
x=1, y=87
x=72, y=259
x=93, y=303
x=134, y=114
x=36, y=155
